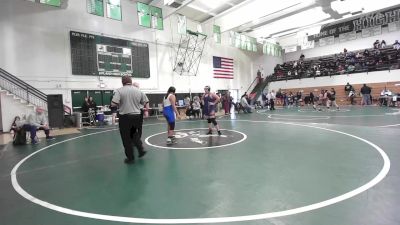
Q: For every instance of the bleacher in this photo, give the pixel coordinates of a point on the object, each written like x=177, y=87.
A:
x=386, y=58
x=341, y=96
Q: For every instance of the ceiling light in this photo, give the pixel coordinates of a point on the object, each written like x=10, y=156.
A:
x=298, y=20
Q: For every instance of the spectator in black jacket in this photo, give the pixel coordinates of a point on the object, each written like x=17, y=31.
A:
x=383, y=44
x=85, y=104
x=366, y=94
x=376, y=44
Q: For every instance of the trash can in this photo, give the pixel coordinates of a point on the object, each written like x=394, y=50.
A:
x=78, y=119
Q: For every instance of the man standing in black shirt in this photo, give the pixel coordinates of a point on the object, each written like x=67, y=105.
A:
x=331, y=95
x=366, y=94
x=129, y=100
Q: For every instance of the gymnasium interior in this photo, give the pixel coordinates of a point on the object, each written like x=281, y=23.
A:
x=307, y=103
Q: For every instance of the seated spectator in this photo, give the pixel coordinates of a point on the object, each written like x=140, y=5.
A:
x=245, y=104
x=318, y=72
x=341, y=69
x=37, y=121
x=357, y=66
x=385, y=97
x=366, y=53
x=359, y=55
x=350, y=68
x=189, y=111
x=396, y=45
x=298, y=99
x=394, y=66
x=290, y=99
x=352, y=95
x=295, y=65
x=376, y=44
x=92, y=104
x=85, y=105
x=383, y=44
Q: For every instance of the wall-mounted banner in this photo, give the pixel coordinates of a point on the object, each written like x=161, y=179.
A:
x=48, y=2
x=292, y=48
x=242, y=41
x=327, y=41
x=373, y=31
x=182, y=24
x=394, y=26
x=217, y=34
x=95, y=7
x=365, y=21
x=347, y=36
x=272, y=49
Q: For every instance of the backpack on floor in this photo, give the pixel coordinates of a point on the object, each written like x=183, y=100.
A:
x=20, y=137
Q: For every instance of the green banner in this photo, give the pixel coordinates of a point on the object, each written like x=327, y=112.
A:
x=150, y=16
x=144, y=16
x=114, y=9
x=51, y=2
x=95, y=7
x=217, y=34
x=157, y=21
x=181, y=24
x=272, y=49
x=48, y=2
x=242, y=41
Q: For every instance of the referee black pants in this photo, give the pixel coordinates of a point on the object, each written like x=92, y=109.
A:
x=128, y=128
x=272, y=104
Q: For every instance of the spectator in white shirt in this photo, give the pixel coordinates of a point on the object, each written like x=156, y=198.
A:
x=396, y=45
x=271, y=98
x=245, y=104
x=38, y=121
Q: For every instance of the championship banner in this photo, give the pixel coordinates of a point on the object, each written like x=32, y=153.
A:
x=366, y=21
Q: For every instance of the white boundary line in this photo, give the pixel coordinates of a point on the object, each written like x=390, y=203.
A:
x=274, y=116
x=384, y=171
x=349, y=116
x=218, y=146
x=392, y=125
x=324, y=110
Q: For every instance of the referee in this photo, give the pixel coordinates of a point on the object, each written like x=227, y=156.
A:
x=129, y=98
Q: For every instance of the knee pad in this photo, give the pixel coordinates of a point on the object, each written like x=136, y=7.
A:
x=214, y=121
x=172, y=126
x=208, y=120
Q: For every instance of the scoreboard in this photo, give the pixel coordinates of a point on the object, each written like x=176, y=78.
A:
x=105, y=56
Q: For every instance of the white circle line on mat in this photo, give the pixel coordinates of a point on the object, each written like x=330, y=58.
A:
x=381, y=175
x=217, y=146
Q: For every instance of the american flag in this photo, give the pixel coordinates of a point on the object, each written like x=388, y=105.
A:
x=223, y=67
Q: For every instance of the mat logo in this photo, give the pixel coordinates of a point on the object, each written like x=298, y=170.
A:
x=196, y=136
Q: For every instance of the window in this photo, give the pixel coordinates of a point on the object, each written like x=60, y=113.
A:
x=114, y=9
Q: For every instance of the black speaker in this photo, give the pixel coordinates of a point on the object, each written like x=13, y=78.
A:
x=55, y=109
